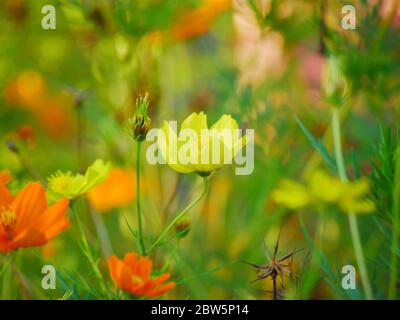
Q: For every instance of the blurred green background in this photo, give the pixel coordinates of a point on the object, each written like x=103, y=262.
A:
x=67, y=94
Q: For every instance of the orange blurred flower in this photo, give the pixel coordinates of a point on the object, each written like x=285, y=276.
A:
x=54, y=117
x=198, y=21
x=26, y=90
x=133, y=275
x=5, y=177
x=26, y=221
x=29, y=91
x=26, y=134
x=194, y=22
x=119, y=189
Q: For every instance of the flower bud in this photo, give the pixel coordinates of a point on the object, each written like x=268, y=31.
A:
x=334, y=83
x=182, y=228
x=140, y=123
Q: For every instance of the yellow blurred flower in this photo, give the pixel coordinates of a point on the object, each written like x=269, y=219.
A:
x=324, y=187
x=194, y=149
x=65, y=184
x=291, y=194
x=352, y=198
x=321, y=188
x=117, y=190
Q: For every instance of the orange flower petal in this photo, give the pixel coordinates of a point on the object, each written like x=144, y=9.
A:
x=161, y=290
x=144, y=267
x=29, y=238
x=54, y=220
x=29, y=203
x=160, y=279
x=125, y=279
x=5, y=196
x=5, y=177
x=131, y=260
x=114, y=265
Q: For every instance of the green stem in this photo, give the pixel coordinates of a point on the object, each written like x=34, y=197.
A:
x=395, y=230
x=105, y=242
x=355, y=235
x=319, y=232
x=181, y=214
x=21, y=281
x=138, y=208
x=88, y=253
x=6, y=276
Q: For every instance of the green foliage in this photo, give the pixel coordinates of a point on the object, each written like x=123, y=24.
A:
x=383, y=171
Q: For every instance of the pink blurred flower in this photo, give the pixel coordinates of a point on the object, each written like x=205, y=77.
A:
x=258, y=51
x=311, y=66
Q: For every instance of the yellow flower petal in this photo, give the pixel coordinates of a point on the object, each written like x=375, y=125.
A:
x=291, y=194
x=196, y=121
x=325, y=187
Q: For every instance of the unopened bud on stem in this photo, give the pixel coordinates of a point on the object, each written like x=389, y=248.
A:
x=335, y=84
x=140, y=123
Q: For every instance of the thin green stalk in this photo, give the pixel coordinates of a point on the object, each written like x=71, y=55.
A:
x=181, y=214
x=21, y=281
x=8, y=259
x=319, y=231
x=395, y=230
x=88, y=253
x=138, y=208
x=105, y=242
x=6, y=276
x=355, y=235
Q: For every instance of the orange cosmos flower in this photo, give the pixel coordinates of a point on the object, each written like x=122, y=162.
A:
x=200, y=20
x=30, y=91
x=55, y=118
x=133, y=275
x=117, y=190
x=26, y=90
x=26, y=221
x=5, y=177
x=193, y=22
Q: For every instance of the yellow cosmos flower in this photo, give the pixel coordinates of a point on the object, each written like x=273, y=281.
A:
x=324, y=187
x=291, y=194
x=67, y=185
x=353, y=197
x=198, y=148
x=321, y=188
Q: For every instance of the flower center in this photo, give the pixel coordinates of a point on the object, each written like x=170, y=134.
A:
x=60, y=181
x=8, y=219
